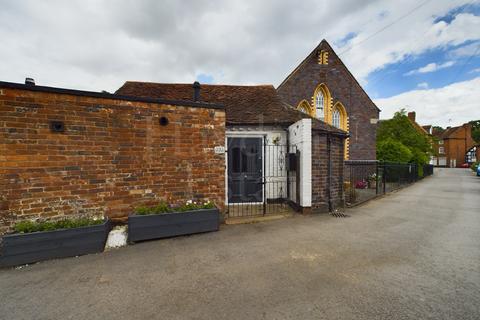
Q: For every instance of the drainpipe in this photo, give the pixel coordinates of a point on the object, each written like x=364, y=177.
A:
x=288, y=164
x=329, y=169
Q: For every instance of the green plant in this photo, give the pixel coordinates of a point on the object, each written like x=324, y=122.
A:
x=163, y=207
x=474, y=166
x=397, y=135
x=394, y=151
x=37, y=226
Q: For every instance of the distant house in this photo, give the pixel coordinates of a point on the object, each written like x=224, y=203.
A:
x=455, y=146
x=452, y=147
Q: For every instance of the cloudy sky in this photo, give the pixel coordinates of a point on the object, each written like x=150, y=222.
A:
x=418, y=55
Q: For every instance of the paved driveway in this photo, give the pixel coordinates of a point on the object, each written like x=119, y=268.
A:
x=414, y=254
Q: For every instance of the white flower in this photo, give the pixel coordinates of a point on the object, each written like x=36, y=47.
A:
x=189, y=202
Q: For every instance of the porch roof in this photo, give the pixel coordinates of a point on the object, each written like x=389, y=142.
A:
x=244, y=105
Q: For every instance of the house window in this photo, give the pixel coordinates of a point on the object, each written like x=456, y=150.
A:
x=319, y=105
x=441, y=150
x=336, y=118
x=440, y=142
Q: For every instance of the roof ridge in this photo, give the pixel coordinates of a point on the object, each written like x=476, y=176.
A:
x=203, y=84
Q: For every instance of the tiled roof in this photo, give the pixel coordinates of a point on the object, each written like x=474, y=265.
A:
x=418, y=127
x=246, y=105
x=449, y=131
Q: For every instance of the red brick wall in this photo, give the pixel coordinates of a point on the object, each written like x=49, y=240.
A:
x=457, y=144
x=320, y=172
x=360, y=109
x=112, y=157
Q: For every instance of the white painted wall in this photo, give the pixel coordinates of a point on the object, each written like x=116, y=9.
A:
x=300, y=135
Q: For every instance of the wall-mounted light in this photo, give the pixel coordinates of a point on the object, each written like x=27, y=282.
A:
x=57, y=126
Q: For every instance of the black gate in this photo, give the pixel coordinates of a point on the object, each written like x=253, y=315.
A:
x=262, y=178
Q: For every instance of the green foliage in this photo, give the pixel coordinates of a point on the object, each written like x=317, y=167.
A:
x=475, y=130
x=163, y=207
x=393, y=151
x=474, y=166
x=31, y=226
x=400, y=133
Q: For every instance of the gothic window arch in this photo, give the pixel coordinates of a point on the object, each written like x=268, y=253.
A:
x=340, y=120
x=321, y=102
x=336, y=118
x=320, y=105
x=305, y=107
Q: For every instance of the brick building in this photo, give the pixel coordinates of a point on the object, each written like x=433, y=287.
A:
x=77, y=153
x=455, y=146
x=324, y=88
x=68, y=152
x=257, y=119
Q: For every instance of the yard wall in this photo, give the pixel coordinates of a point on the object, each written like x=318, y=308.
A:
x=112, y=157
x=320, y=163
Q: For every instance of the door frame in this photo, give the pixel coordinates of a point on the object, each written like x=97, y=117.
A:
x=235, y=134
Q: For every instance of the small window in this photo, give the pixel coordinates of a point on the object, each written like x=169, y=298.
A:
x=440, y=142
x=441, y=150
x=320, y=105
x=336, y=118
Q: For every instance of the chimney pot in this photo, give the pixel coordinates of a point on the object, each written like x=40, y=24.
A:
x=196, y=91
x=412, y=116
x=30, y=81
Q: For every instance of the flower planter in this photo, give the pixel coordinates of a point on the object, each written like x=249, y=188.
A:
x=22, y=248
x=156, y=226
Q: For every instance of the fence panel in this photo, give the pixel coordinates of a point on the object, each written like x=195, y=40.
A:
x=360, y=181
x=365, y=180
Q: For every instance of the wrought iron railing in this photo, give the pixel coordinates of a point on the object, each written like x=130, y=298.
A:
x=365, y=180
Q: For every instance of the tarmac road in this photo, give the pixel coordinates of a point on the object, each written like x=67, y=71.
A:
x=414, y=254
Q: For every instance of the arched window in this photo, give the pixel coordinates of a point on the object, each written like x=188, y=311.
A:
x=320, y=105
x=304, y=106
x=336, y=118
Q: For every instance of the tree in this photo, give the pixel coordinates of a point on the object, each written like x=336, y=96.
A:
x=399, y=129
x=475, y=130
x=394, y=151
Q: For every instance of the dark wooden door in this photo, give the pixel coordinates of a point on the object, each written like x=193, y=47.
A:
x=245, y=183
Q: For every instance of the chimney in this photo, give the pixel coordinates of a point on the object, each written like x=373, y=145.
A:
x=196, y=91
x=411, y=116
x=30, y=81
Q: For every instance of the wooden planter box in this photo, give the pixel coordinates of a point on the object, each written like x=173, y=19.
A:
x=156, y=226
x=22, y=248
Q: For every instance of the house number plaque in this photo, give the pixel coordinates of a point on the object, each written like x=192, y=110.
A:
x=219, y=149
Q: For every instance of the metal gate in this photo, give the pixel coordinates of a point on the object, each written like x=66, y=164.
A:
x=262, y=178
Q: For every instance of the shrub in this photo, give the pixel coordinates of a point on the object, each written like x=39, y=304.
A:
x=474, y=166
x=163, y=207
x=37, y=226
x=394, y=151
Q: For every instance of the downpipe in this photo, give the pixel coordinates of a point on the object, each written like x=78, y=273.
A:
x=329, y=169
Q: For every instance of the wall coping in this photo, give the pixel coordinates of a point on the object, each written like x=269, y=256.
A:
x=105, y=95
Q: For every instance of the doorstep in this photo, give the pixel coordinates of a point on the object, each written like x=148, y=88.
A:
x=256, y=219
